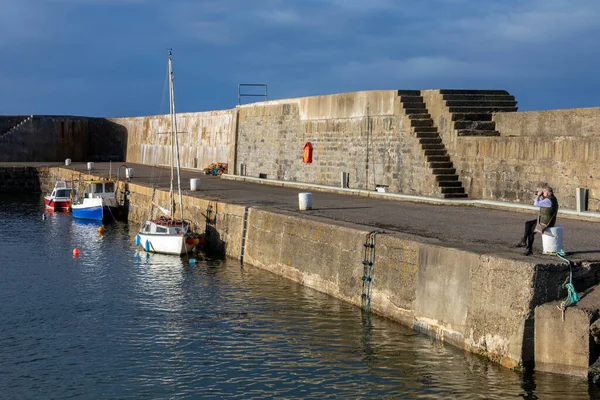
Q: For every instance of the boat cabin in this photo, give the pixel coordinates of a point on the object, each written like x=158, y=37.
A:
x=100, y=189
x=165, y=226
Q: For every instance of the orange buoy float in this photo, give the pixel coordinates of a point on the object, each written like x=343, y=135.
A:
x=101, y=230
x=189, y=241
x=76, y=252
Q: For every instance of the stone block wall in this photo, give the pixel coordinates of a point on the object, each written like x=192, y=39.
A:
x=535, y=148
x=20, y=180
x=204, y=138
x=363, y=133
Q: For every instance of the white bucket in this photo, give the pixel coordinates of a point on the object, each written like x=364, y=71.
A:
x=194, y=184
x=68, y=161
x=305, y=201
x=552, y=239
x=128, y=173
x=90, y=166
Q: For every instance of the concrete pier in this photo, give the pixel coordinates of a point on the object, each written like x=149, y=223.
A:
x=448, y=271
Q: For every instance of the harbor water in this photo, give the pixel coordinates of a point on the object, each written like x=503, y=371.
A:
x=116, y=323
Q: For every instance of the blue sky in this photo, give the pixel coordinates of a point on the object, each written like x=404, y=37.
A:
x=107, y=58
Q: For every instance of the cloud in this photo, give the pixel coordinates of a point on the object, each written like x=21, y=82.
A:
x=212, y=32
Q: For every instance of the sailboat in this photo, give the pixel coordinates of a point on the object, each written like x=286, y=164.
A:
x=168, y=234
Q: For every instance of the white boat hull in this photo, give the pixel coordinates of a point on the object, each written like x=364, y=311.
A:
x=164, y=243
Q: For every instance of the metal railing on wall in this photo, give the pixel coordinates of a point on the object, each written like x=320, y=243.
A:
x=265, y=95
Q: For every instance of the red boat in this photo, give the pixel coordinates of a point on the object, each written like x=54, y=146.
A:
x=60, y=198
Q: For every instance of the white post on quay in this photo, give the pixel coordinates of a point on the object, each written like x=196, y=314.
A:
x=305, y=201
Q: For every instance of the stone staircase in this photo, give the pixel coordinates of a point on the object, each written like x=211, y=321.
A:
x=472, y=110
x=17, y=126
x=434, y=150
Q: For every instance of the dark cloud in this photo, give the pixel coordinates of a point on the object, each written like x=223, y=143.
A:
x=108, y=57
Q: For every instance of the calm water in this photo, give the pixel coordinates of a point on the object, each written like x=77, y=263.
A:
x=118, y=324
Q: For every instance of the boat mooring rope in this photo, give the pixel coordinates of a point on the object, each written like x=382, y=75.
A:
x=572, y=295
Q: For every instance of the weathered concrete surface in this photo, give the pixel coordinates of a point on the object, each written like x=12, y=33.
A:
x=205, y=138
x=562, y=346
x=447, y=281
x=568, y=346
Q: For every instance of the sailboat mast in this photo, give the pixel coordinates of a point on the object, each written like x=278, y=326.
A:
x=171, y=157
x=174, y=124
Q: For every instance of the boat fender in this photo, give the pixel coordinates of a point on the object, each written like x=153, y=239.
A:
x=138, y=240
x=147, y=246
x=193, y=261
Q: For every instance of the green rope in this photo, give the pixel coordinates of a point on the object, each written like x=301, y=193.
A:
x=572, y=295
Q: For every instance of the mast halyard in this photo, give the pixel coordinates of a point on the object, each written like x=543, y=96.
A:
x=171, y=157
x=174, y=129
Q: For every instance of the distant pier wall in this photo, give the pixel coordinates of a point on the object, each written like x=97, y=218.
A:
x=37, y=138
x=204, y=138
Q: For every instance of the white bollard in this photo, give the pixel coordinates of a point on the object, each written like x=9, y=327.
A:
x=68, y=161
x=128, y=173
x=305, y=201
x=552, y=240
x=194, y=184
x=90, y=166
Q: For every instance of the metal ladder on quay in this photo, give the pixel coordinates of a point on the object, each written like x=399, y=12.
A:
x=368, y=270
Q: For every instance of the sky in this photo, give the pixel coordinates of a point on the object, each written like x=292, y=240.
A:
x=108, y=58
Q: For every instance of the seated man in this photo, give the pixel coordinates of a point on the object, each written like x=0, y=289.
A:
x=548, y=209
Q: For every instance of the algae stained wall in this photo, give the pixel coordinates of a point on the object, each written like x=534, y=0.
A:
x=47, y=139
x=204, y=138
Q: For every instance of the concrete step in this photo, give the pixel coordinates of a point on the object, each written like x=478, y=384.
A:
x=421, y=122
x=409, y=92
x=452, y=189
x=438, y=158
x=419, y=116
x=470, y=91
x=449, y=184
x=480, y=103
x=425, y=129
x=473, y=132
x=430, y=140
x=455, y=195
x=471, y=117
x=505, y=97
x=446, y=178
x=476, y=125
x=435, y=152
x=413, y=106
x=437, y=146
x=433, y=134
x=443, y=171
x=440, y=164
x=411, y=99
x=490, y=109
x=415, y=111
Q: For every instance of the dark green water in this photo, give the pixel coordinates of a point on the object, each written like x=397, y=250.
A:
x=117, y=324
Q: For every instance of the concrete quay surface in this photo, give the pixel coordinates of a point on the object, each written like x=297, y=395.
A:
x=490, y=230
